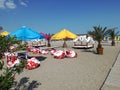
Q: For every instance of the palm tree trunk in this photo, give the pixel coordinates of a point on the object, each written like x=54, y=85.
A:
x=113, y=43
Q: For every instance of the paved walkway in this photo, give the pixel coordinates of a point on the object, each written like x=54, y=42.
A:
x=113, y=80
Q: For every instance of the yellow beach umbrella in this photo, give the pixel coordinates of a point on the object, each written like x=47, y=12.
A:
x=63, y=35
x=5, y=33
x=119, y=38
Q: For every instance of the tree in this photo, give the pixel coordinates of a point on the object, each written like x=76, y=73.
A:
x=7, y=80
x=113, y=33
x=5, y=43
x=1, y=28
x=98, y=35
x=7, y=77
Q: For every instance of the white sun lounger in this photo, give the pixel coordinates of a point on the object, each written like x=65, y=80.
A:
x=84, y=42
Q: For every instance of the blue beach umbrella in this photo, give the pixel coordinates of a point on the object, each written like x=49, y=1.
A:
x=25, y=34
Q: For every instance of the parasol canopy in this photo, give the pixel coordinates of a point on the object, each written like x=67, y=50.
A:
x=46, y=36
x=5, y=33
x=25, y=33
x=64, y=34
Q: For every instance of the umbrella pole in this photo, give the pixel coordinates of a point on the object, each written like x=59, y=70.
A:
x=64, y=44
x=48, y=44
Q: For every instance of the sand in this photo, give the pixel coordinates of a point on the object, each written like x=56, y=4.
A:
x=86, y=72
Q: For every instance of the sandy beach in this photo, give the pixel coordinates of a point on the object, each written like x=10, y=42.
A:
x=86, y=72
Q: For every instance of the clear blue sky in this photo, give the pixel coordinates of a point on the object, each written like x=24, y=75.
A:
x=51, y=16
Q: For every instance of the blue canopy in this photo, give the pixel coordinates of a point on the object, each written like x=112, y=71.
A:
x=25, y=33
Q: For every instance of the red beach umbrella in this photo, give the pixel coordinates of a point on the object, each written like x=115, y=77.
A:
x=46, y=36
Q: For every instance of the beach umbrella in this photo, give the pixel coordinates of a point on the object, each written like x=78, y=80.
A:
x=47, y=37
x=5, y=33
x=64, y=35
x=25, y=34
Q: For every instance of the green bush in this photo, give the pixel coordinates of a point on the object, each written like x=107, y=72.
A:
x=5, y=43
x=7, y=80
x=22, y=47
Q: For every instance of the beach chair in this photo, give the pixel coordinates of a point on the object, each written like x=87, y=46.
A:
x=32, y=63
x=12, y=59
x=59, y=54
x=70, y=54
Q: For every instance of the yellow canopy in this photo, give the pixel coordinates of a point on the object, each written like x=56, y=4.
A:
x=64, y=34
x=5, y=33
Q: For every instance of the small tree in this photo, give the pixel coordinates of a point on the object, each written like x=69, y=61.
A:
x=7, y=77
x=98, y=35
x=1, y=28
x=7, y=80
x=113, y=34
x=5, y=43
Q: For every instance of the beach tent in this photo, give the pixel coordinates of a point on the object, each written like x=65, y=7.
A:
x=25, y=34
x=5, y=33
x=64, y=35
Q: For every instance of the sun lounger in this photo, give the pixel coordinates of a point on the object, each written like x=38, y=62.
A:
x=32, y=63
x=84, y=42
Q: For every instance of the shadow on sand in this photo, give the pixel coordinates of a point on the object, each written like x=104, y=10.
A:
x=25, y=56
x=40, y=58
x=25, y=84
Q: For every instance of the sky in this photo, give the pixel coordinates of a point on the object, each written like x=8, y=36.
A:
x=51, y=16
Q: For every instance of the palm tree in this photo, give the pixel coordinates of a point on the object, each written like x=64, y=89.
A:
x=1, y=28
x=98, y=35
x=112, y=34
